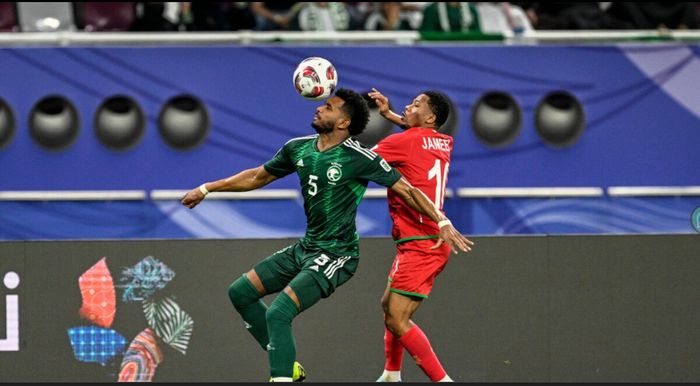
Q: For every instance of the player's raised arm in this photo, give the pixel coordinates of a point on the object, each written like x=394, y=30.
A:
x=244, y=181
x=418, y=201
x=383, y=105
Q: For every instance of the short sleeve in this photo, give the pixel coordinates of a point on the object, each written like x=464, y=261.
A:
x=280, y=165
x=390, y=149
x=379, y=171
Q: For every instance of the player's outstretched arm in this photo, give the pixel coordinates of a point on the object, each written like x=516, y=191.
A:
x=244, y=181
x=383, y=104
x=418, y=201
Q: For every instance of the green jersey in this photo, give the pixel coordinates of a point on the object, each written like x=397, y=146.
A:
x=333, y=183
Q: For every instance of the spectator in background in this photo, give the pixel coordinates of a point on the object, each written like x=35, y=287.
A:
x=500, y=17
x=359, y=10
x=8, y=17
x=655, y=15
x=272, y=15
x=387, y=17
x=413, y=12
x=156, y=16
x=450, y=17
x=102, y=16
x=217, y=16
x=578, y=15
x=321, y=16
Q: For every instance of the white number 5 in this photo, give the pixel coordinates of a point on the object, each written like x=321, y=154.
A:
x=313, y=189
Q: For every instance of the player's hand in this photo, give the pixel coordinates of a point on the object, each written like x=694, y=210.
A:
x=450, y=235
x=381, y=101
x=192, y=198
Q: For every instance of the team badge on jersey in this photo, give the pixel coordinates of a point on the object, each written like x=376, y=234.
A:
x=385, y=166
x=334, y=172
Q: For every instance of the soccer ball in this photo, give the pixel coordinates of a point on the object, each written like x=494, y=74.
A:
x=315, y=78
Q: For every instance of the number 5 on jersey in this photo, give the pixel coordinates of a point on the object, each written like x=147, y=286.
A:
x=313, y=188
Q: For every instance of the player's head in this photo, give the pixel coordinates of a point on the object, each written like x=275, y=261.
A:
x=346, y=110
x=429, y=109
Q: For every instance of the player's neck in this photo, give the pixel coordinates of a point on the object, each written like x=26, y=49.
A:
x=329, y=140
x=423, y=127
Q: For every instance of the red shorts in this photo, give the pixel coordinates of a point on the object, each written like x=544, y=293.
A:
x=416, y=266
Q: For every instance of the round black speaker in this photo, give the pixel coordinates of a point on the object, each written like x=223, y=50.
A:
x=54, y=123
x=559, y=119
x=119, y=122
x=496, y=119
x=183, y=122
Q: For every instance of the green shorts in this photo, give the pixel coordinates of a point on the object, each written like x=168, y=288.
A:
x=306, y=271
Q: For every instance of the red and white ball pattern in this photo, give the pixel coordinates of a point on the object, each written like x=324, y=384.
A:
x=315, y=78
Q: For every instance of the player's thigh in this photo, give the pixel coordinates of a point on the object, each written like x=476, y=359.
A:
x=323, y=273
x=402, y=306
x=278, y=269
x=416, y=267
x=307, y=290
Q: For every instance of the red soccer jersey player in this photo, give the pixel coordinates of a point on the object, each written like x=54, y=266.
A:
x=422, y=156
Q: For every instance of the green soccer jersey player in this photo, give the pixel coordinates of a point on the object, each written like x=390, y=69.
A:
x=334, y=171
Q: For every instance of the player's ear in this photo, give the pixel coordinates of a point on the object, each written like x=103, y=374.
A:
x=343, y=123
x=430, y=119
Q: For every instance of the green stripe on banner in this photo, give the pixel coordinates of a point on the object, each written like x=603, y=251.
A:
x=459, y=36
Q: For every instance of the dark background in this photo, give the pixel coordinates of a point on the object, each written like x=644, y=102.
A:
x=522, y=309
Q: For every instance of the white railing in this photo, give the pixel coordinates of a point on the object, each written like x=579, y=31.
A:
x=69, y=38
x=73, y=195
x=609, y=36
x=291, y=194
x=262, y=194
x=80, y=38
x=529, y=192
x=630, y=191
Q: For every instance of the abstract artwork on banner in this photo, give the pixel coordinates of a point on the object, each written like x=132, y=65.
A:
x=141, y=358
x=99, y=299
x=95, y=344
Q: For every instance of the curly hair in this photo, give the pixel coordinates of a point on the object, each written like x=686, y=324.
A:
x=440, y=106
x=355, y=107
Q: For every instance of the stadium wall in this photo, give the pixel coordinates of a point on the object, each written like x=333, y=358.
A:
x=204, y=111
x=518, y=308
x=638, y=112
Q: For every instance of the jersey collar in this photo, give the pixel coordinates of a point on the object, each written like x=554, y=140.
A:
x=315, y=145
x=417, y=128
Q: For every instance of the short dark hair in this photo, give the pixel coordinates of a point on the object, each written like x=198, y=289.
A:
x=439, y=105
x=356, y=109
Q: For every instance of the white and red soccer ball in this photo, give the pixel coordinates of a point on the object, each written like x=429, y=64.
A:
x=315, y=78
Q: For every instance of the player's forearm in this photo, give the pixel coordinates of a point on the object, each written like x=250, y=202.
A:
x=394, y=118
x=423, y=205
x=242, y=182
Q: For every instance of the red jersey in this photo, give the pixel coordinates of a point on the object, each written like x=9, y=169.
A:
x=422, y=156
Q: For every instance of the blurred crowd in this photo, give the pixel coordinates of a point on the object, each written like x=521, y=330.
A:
x=484, y=17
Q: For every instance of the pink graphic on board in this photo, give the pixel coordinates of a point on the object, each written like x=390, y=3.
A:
x=99, y=298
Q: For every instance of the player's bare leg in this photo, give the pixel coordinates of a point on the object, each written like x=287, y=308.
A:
x=398, y=310
x=393, y=350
